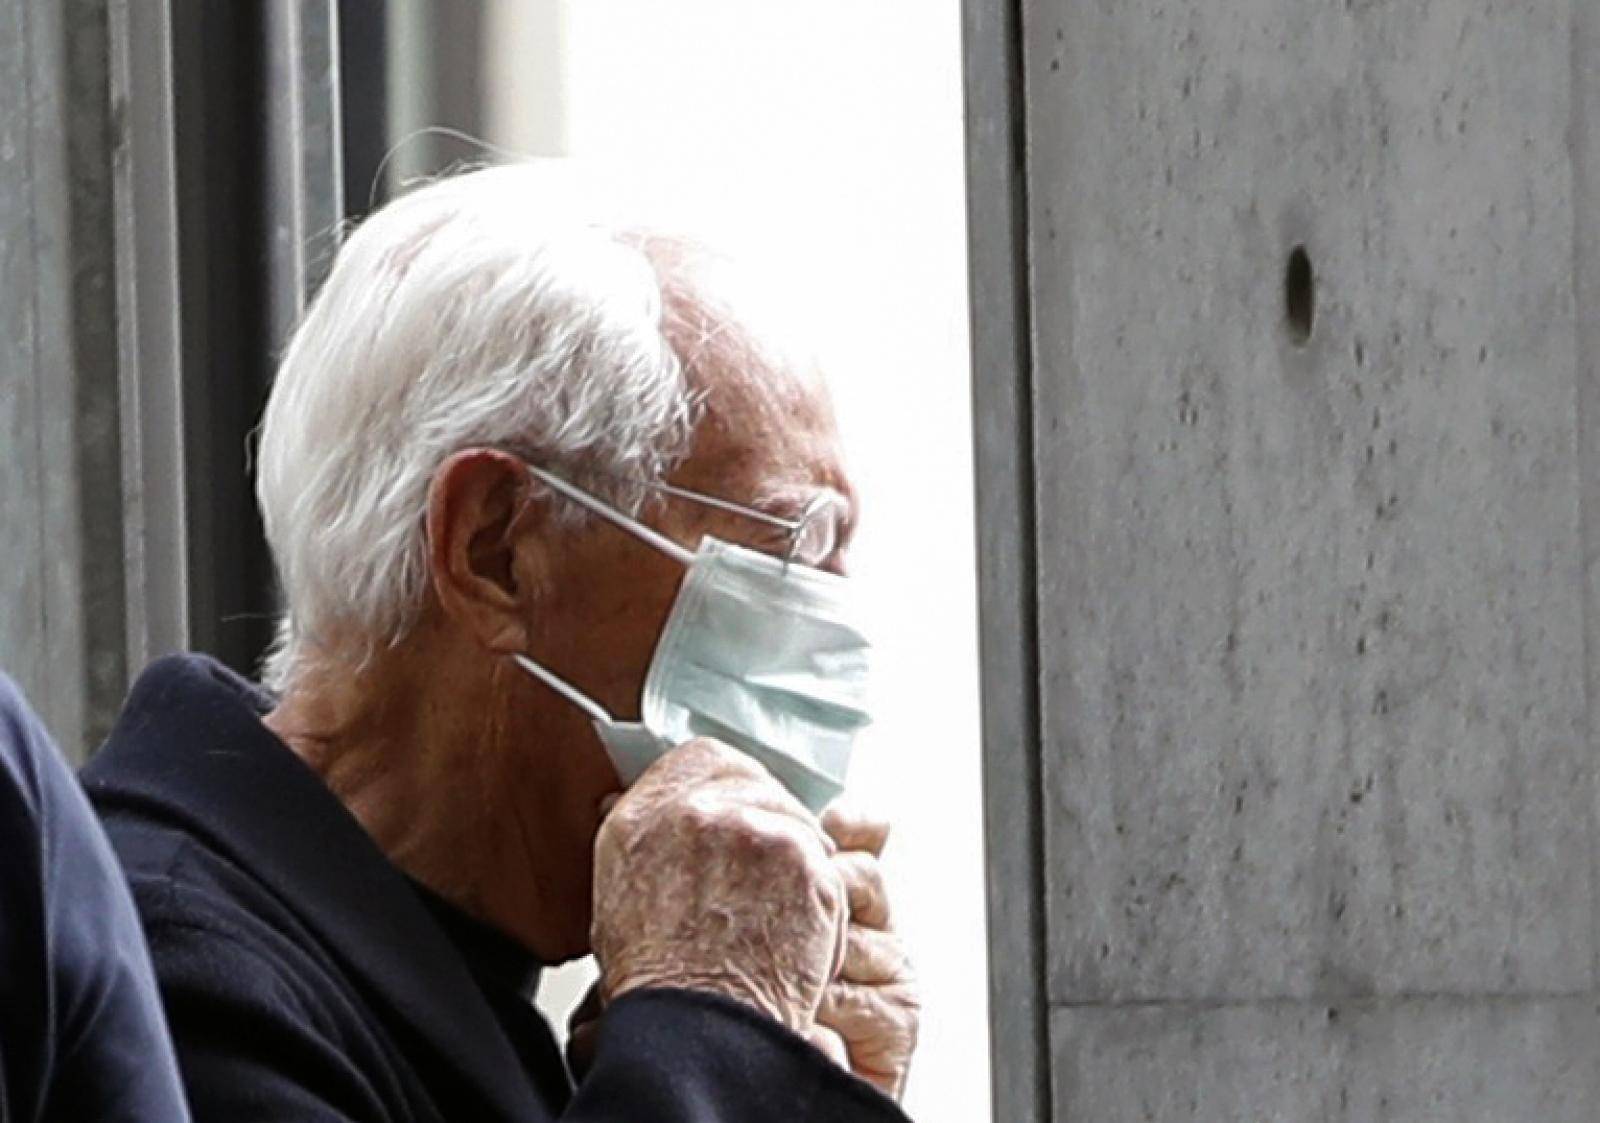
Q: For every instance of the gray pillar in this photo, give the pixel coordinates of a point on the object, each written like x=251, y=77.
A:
x=436, y=92
x=1002, y=411
x=1302, y=581
x=121, y=478
x=305, y=202
x=87, y=440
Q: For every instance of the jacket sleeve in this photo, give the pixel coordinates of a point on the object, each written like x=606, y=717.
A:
x=678, y=1056
x=81, y=1035
x=247, y=1049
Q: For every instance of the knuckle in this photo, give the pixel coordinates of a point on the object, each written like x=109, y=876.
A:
x=609, y=838
x=869, y=898
x=698, y=812
x=825, y=882
x=782, y=848
x=860, y=1002
x=690, y=760
x=869, y=875
x=626, y=813
x=716, y=756
x=872, y=871
x=907, y=998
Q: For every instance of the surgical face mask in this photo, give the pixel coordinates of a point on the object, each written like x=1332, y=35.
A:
x=761, y=654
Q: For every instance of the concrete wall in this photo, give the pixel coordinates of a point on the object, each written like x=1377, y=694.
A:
x=61, y=576
x=122, y=467
x=1313, y=831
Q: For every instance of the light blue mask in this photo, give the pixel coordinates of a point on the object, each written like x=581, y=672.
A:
x=760, y=654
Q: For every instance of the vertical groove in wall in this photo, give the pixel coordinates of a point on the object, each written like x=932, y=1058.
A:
x=40, y=683
x=1586, y=292
x=1029, y=549
x=95, y=135
x=1029, y=585
x=144, y=208
x=1003, y=421
x=74, y=666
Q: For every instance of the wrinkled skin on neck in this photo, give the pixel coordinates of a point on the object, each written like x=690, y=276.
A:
x=476, y=779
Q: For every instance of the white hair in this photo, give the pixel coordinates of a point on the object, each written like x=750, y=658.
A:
x=476, y=311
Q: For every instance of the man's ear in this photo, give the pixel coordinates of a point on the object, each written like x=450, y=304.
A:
x=484, y=564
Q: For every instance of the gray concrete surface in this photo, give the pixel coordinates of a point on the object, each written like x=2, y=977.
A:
x=61, y=576
x=103, y=439
x=1313, y=615
x=1002, y=410
x=1439, y=1059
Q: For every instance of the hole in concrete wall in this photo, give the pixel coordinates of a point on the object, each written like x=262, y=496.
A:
x=1300, y=294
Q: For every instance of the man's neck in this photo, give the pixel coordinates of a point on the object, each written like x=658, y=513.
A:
x=421, y=761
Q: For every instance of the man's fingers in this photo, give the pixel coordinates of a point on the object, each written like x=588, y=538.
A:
x=860, y=1012
x=874, y=958
x=765, y=822
x=879, y=1023
x=852, y=829
x=863, y=880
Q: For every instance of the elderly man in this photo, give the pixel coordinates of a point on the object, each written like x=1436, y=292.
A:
x=550, y=503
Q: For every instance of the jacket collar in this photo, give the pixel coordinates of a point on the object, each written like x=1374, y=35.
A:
x=190, y=748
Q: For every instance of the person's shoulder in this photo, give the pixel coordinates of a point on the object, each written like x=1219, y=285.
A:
x=212, y=930
x=182, y=884
x=27, y=755
x=183, y=671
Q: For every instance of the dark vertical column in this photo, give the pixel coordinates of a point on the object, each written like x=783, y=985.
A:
x=260, y=195
x=220, y=90
x=364, y=89
x=1003, y=416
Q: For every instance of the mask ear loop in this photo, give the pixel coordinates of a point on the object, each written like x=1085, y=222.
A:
x=589, y=503
x=571, y=693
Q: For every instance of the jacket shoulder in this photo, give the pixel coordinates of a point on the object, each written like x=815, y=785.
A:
x=212, y=926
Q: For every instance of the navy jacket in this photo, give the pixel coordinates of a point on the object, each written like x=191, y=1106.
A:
x=81, y=1034
x=307, y=980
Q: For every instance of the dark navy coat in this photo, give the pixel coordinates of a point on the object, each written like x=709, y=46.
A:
x=81, y=1034
x=307, y=980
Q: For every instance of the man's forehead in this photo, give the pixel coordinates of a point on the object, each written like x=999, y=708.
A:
x=765, y=425
x=776, y=428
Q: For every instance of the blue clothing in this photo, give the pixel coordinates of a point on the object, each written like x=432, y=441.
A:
x=308, y=980
x=82, y=1038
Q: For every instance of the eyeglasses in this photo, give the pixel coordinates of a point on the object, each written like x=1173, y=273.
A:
x=809, y=539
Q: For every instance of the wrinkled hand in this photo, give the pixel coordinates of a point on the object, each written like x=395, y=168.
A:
x=710, y=876
x=869, y=1014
